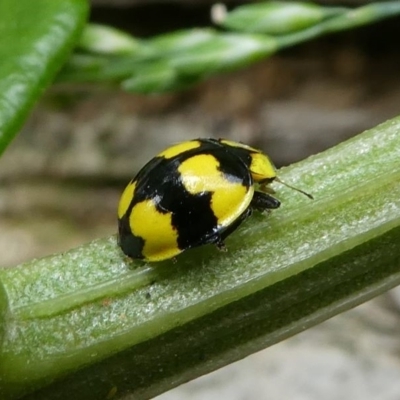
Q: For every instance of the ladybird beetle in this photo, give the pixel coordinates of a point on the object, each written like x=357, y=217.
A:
x=193, y=193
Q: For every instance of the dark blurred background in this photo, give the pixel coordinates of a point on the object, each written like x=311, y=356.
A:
x=60, y=180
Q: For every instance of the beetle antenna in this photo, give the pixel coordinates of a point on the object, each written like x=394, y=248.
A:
x=294, y=188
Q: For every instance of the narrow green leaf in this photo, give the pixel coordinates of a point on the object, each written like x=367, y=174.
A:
x=107, y=40
x=186, y=66
x=276, y=18
x=181, y=41
x=225, y=52
x=175, y=60
x=157, y=77
x=111, y=327
x=146, y=70
x=350, y=19
x=34, y=43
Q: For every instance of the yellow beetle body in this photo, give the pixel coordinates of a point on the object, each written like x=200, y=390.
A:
x=192, y=193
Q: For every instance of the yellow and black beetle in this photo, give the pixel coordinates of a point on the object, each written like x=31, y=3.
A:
x=192, y=193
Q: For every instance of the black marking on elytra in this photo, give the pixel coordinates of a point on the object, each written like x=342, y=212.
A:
x=194, y=220
x=130, y=244
x=232, y=168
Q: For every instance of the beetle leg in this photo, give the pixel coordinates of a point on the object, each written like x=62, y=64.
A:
x=221, y=245
x=263, y=201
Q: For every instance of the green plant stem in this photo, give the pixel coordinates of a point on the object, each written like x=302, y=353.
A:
x=106, y=325
x=34, y=44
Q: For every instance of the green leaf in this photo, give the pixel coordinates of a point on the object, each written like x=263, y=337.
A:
x=89, y=324
x=350, y=19
x=176, y=60
x=186, y=66
x=276, y=18
x=104, y=39
x=181, y=41
x=225, y=52
x=35, y=41
x=156, y=77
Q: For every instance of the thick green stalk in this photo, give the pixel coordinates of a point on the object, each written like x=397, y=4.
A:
x=101, y=325
x=35, y=39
